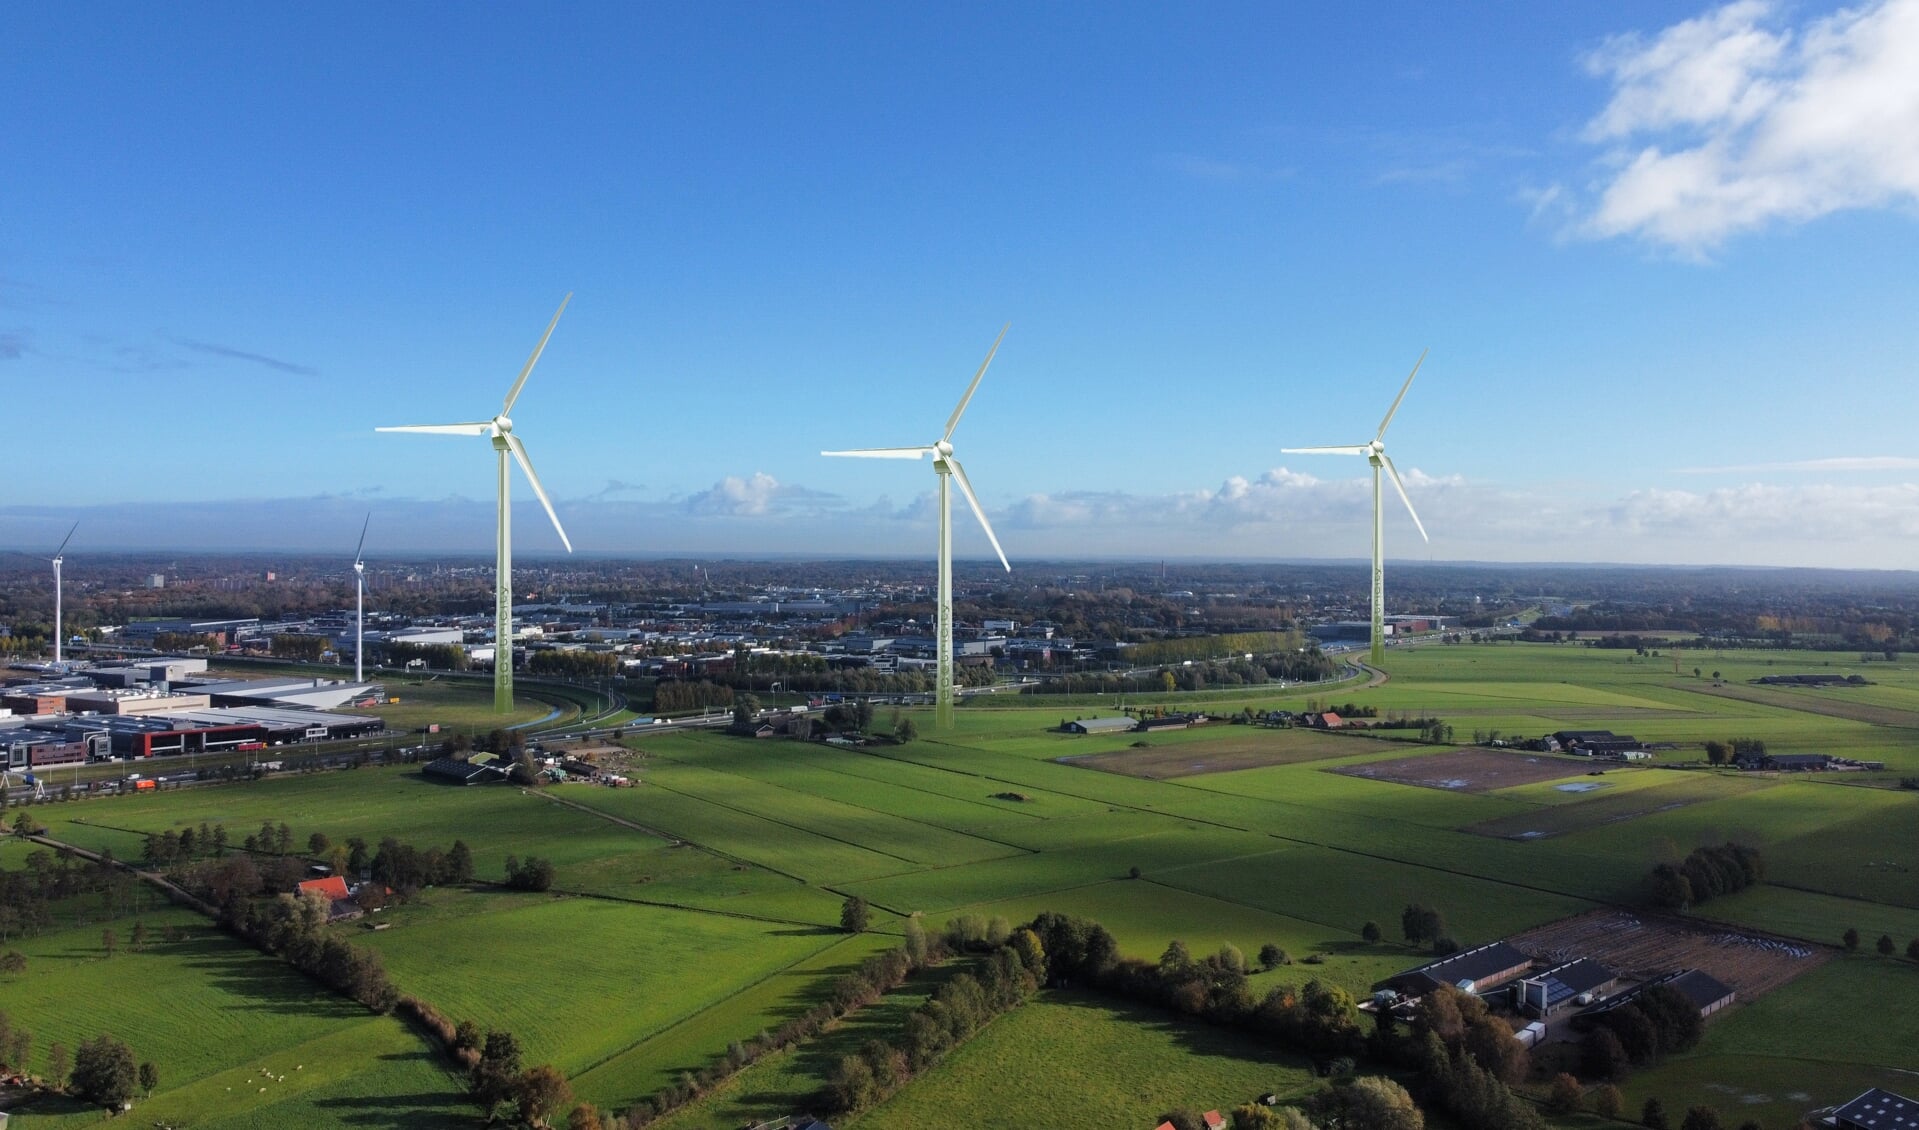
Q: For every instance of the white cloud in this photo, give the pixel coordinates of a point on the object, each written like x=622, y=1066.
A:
x=1735, y=120
x=1842, y=463
x=759, y=495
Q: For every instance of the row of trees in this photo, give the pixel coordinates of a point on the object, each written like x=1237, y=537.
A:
x=1706, y=874
x=1197, y=648
x=673, y=695
x=292, y=645
x=535, y=874
x=1738, y=749
x=957, y=1009
x=572, y=663
x=168, y=848
x=1886, y=946
x=102, y=1069
x=875, y=977
x=293, y=926
x=1657, y=1023
x=1425, y=925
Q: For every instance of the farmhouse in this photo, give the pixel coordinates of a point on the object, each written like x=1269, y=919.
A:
x=1474, y=971
x=1101, y=726
x=1172, y=722
x=1324, y=720
x=1791, y=762
x=1546, y=992
x=1877, y=1109
x=1597, y=743
x=1810, y=680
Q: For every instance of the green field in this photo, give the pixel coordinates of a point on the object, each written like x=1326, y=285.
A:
x=1140, y=1062
x=698, y=907
x=210, y=1014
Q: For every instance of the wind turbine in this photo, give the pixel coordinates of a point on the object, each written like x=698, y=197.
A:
x=500, y=430
x=1375, y=453
x=949, y=471
x=359, y=622
x=59, y=556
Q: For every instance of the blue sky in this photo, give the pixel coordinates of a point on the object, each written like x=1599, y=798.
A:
x=1662, y=256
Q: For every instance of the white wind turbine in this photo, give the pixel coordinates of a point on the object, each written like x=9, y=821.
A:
x=1375, y=453
x=500, y=429
x=59, y=556
x=359, y=622
x=949, y=471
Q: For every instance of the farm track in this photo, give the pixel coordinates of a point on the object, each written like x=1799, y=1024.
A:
x=1812, y=703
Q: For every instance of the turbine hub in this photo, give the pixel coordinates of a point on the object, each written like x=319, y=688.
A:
x=502, y=424
x=942, y=449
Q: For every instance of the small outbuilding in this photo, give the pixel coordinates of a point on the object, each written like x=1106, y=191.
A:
x=1119, y=725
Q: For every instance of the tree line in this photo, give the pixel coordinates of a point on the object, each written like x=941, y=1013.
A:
x=1706, y=874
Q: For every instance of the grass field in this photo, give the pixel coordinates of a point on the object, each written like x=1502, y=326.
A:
x=1054, y=1053
x=210, y=1013
x=699, y=906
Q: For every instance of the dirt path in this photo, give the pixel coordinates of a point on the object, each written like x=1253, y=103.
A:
x=175, y=893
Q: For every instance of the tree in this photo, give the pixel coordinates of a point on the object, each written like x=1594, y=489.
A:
x=1271, y=957
x=1604, y=1056
x=318, y=843
x=137, y=937
x=107, y=940
x=1702, y=1118
x=854, y=915
x=1565, y=1095
x=851, y=1084
x=1851, y=939
x=149, y=1077
x=1370, y=932
x=539, y=1092
x=499, y=1065
x=1718, y=753
x=1886, y=946
x=906, y=731
x=103, y=1071
x=13, y=963
x=746, y=710
x=585, y=1116
x=1912, y=950
x=1183, y=1119
x=57, y=1064
x=1378, y=1103
x=1653, y=1115
x=1607, y=1101
x=1421, y=924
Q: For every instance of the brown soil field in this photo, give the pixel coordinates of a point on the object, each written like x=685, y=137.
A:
x=1826, y=702
x=1471, y=770
x=1241, y=748
x=1639, y=945
x=1615, y=808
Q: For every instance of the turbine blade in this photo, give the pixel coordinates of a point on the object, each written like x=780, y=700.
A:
x=513, y=393
x=1361, y=449
x=478, y=429
x=953, y=420
x=966, y=488
x=1401, y=488
x=883, y=452
x=65, y=540
x=1402, y=394
x=519, y=453
x=362, y=545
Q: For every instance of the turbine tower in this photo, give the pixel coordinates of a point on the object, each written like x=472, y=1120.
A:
x=1375, y=453
x=59, y=556
x=950, y=472
x=359, y=622
x=500, y=430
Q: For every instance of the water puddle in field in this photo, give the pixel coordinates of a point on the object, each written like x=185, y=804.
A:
x=1580, y=786
x=1454, y=783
